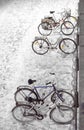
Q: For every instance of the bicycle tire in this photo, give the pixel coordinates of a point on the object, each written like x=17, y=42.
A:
x=57, y=116
x=21, y=96
x=72, y=19
x=68, y=98
x=39, y=47
x=20, y=113
x=67, y=49
x=45, y=28
x=67, y=28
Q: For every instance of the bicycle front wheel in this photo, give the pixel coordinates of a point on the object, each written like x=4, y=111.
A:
x=45, y=28
x=62, y=115
x=63, y=98
x=67, y=28
x=72, y=19
x=24, y=113
x=40, y=46
x=25, y=95
x=67, y=46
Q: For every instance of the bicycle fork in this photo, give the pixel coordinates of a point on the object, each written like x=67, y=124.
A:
x=60, y=96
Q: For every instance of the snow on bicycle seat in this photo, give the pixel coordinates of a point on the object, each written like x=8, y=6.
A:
x=52, y=12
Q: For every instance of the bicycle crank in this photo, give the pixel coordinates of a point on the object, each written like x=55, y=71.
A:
x=39, y=116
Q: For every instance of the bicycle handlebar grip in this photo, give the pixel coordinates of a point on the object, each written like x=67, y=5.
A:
x=52, y=73
x=48, y=83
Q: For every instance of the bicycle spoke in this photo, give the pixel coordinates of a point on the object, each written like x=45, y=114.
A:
x=23, y=95
x=45, y=29
x=68, y=46
x=24, y=113
x=63, y=98
x=62, y=115
x=67, y=28
x=72, y=19
x=40, y=48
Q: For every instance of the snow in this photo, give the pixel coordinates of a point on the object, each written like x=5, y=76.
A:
x=18, y=28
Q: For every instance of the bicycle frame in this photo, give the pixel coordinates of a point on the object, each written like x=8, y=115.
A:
x=54, y=90
x=60, y=20
x=63, y=17
x=56, y=43
x=36, y=87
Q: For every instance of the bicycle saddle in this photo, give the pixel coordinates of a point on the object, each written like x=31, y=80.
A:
x=52, y=12
x=30, y=81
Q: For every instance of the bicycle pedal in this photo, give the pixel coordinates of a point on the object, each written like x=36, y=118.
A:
x=52, y=47
x=47, y=105
x=38, y=107
x=45, y=115
x=43, y=94
x=55, y=47
x=40, y=117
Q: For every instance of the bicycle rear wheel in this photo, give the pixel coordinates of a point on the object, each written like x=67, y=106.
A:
x=62, y=115
x=45, y=28
x=64, y=98
x=40, y=46
x=67, y=28
x=67, y=45
x=25, y=95
x=24, y=113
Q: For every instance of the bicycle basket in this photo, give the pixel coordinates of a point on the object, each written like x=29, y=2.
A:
x=66, y=13
x=46, y=25
x=49, y=20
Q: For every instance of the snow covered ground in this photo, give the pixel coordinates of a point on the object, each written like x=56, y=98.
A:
x=18, y=27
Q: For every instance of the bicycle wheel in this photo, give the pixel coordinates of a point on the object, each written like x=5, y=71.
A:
x=24, y=113
x=62, y=115
x=67, y=46
x=67, y=28
x=72, y=19
x=40, y=46
x=64, y=98
x=25, y=95
x=45, y=28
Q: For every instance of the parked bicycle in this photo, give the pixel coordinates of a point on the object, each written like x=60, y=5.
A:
x=30, y=105
x=32, y=96
x=41, y=45
x=67, y=23
x=27, y=113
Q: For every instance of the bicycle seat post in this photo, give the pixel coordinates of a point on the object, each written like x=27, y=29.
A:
x=52, y=12
x=54, y=88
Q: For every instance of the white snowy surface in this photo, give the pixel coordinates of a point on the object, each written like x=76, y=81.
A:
x=18, y=27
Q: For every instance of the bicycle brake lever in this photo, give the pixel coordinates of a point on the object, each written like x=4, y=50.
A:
x=48, y=83
x=52, y=73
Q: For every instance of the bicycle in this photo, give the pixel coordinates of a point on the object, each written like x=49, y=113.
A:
x=29, y=104
x=41, y=45
x=59, y=114
x=32, y=96
x=67, y=23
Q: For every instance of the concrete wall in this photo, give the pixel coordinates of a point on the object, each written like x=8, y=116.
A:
x=81, y=65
